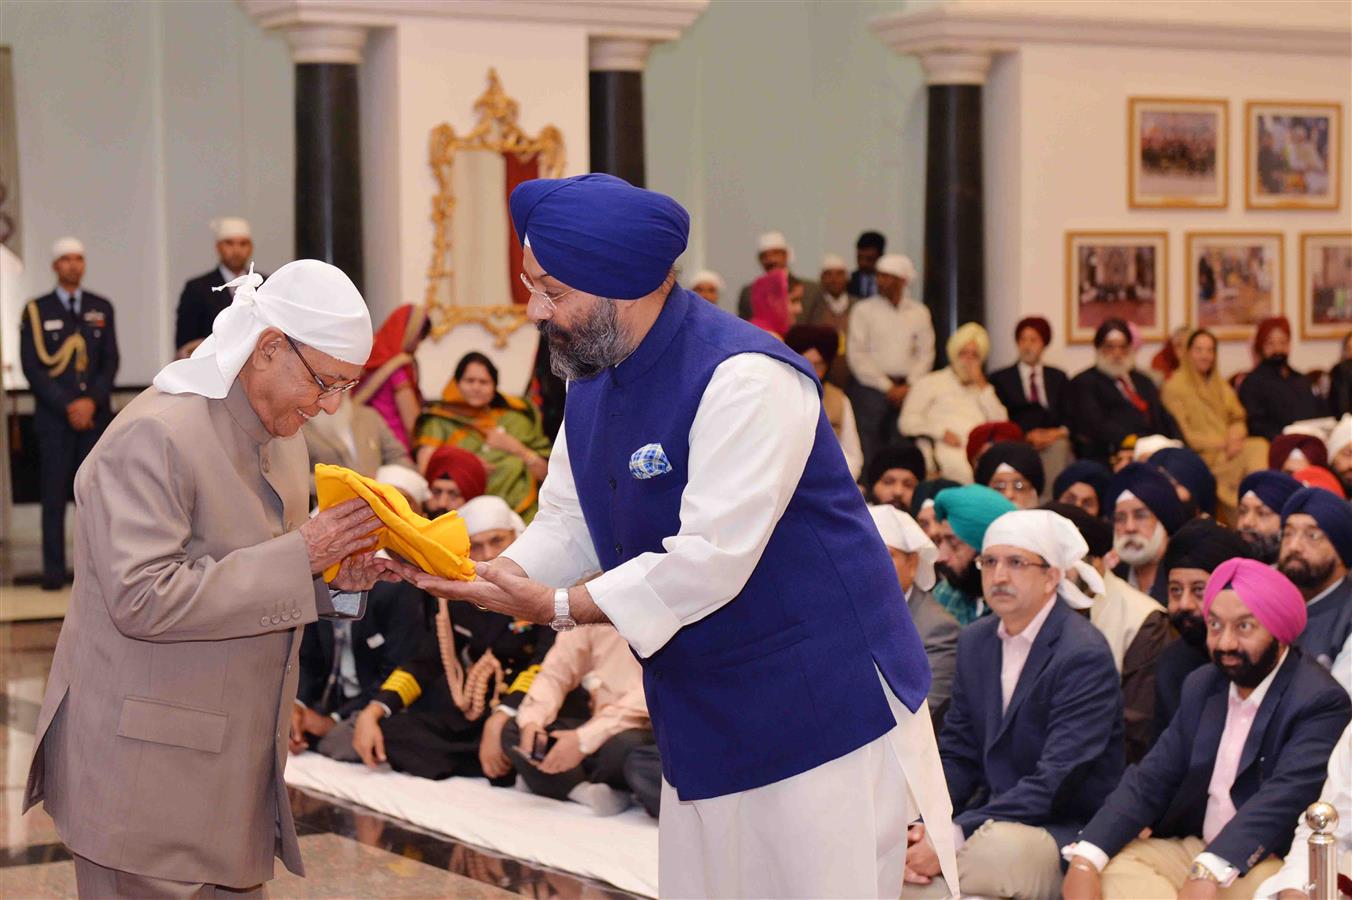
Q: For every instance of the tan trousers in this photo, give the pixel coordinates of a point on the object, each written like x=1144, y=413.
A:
x=1157, y=867
x=96, y=882
x=1002, y=859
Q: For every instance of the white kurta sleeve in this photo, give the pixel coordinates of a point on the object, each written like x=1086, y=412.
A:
x=556, y=547
x=923, y=363
x=991, y=406
x=749, y=443
x=849, y=441
x=915, y=419
x=857, y=356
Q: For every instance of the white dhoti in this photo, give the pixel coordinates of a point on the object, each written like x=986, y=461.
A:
x=838, y=830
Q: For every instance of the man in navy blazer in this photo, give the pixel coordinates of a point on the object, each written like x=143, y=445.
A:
x=1037, y=396
x=1246, y=753
x=1033, y=739
x=200, y=303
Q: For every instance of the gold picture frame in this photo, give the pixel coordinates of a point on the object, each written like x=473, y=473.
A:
x=1233, y=280
x=1325, y=284
x=1292, y=154
x=1178, y=153
x=1116, y=274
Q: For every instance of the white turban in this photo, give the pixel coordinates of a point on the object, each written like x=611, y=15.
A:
x=406, y=480
x=900, y=532
x=771, y=240
x=707, y=276
x=230, y=227
x=1341, y=435
x=67, y=246
x=490, y=513
x=307, y=300
x=1151, y=444
x=832, y=262
x=1054, y=538
x=897, y=266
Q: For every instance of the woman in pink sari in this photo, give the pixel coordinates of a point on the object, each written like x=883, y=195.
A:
x=773, y=306
x=389, y=384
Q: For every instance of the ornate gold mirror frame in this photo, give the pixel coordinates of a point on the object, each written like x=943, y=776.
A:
x=497, y=131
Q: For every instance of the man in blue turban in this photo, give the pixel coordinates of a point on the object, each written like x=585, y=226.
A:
x=1144, y=509
x=697, y=472
x=1262, y=495
x=1316, y=552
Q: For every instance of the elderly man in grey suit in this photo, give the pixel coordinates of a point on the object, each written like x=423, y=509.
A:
x=163, y=734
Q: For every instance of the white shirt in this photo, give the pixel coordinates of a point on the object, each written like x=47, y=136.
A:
x=887, y=342
x=749, y=443
x=1025, y=374
x=939, y=403
x=837, y=305
x=849, y=440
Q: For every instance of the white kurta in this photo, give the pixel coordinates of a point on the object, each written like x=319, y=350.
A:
x=749, y=443
x=885, y=342
x=939, y=403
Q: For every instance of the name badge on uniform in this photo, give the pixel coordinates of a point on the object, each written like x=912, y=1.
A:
x=53, y=325
x=94, y=318
x=649, y=461
x=375, y=641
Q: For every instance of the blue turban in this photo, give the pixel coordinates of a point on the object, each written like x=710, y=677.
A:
x=1151, y=487
x=1330, y=511
x=1272, y=487
x=1187, y=468
x=1084, y=471
x=969, y=510
x=600, y=234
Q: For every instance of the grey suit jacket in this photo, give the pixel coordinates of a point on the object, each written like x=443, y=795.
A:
x=939, y=633
x=376, y=444
x=163, y=734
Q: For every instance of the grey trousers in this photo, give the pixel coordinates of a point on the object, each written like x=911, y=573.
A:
x=96, y=882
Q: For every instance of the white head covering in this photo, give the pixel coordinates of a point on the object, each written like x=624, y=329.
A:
x=1151, y=444
x=309, y=301
x=708, y=276
x=66, y=246
x=230, y=227
x=1054, y=538
x=406, y=480
x=832, y=262
x=771, y=240
x=490, y=513
x=900, y=532
x=1341, y=435
x=898, y=266
x=1319, y=428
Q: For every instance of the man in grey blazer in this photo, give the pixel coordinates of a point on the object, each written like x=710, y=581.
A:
x=163, y=734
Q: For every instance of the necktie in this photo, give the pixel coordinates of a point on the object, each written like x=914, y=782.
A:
x=1136, y=399
x=1033, y=395
x=73, y=311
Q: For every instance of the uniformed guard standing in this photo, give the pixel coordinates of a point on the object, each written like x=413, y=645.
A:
x=68, y=349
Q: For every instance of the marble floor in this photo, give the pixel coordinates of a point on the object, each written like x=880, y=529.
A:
x=348, y=851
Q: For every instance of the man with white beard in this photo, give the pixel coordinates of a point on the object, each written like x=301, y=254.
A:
x=1112, y=399
x=1144, y=510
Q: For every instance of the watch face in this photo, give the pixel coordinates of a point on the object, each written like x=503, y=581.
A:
x=563, y=623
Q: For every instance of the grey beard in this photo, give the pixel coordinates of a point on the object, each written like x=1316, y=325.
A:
x=1113, y=370
x=594, y=344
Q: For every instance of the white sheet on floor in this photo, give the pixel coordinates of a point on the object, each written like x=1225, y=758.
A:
x=621, y=850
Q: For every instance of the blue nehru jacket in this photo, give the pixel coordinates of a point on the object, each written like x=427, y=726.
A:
x=784, y=677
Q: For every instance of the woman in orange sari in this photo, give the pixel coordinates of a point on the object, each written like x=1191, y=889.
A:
x=389, y=384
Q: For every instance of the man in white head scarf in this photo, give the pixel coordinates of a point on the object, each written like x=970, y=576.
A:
x=163, y=734
x=200, y=302
x=709, y=285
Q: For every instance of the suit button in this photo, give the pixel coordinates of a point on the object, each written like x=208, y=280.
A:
x=295, y=613
x=288, y=667
x=619, y=548
x=285, y=615
x=276, y=620
x=263, y=621
x=612, y=484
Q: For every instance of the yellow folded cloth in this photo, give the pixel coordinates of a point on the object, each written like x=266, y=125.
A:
x=439, y=546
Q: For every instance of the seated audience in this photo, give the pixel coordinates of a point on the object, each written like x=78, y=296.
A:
x=890, y=345
x=834, y=311
x=1144, y=509
x=1013, y=469
x=1113, y=399
x=1262, y=495
x=1037, y=396
x=1320, y=477
x=1084, y=483
x=773, y=253
x=354, y=437
x=1340, y=452
x=709, y=285
x=1275, y=395
x=1166, y=362
x=454, y=477
x=893, y=476
x=868, y=250
x=946, y=405
x=1027, y=765
x=980, y=439
x=922, y=510
x=1211, y=419
x=389, y=383
x=504, y=431
x=961, y=516
x=775, y=304
x=1315, y=552
x=1192, y=480
x=1134, y=626
x=1340, y=380
x=438, y=714
x=1197, y=550
x=913, y=555
x=588, y=760
x=818, y=345
x=1290, y=453
x=1246, y=753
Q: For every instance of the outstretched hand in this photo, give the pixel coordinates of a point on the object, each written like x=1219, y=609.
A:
x=500, y=586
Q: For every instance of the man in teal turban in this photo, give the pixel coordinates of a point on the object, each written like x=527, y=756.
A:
x=964, y=513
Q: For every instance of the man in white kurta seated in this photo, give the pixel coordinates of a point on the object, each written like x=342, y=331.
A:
x=946, y=405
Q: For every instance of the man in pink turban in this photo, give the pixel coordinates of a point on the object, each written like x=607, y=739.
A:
x=1245, y=754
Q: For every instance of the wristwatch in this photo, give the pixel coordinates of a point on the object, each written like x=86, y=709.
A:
x=1199, y=872
x=562, y=620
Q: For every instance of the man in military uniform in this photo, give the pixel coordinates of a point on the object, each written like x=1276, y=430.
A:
x=68, y=349
x=199, y=304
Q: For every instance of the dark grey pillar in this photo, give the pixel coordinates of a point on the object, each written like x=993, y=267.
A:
x=328, y=167
x=617, y=125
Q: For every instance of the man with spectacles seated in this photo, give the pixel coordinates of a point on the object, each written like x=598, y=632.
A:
x=1315, y=551
x=1029, y=763
x=1013, y=468
x=1145, y=510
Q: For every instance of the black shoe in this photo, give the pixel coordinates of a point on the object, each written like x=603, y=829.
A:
x=50, y=583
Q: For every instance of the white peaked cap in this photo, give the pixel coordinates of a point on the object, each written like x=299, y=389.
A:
x=406, y=480
x=834, y=261
x=1054, y=538
x=897, y=266
x=230, y=227
x=708, y=276
x=1341, y=435
x=490, y=513
x=900, y=532
x=67, y=246
x=307, y=300
x=771, y=240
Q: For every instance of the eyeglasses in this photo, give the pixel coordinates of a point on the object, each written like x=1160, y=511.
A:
x=325, y=390
x=1018, y=486
x=1313, y=536
x=1015, y=564
x=543, y=303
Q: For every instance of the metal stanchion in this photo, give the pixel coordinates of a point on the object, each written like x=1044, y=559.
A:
x=1323, y=821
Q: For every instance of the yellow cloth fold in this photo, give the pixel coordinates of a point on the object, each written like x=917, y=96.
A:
x=439, y=546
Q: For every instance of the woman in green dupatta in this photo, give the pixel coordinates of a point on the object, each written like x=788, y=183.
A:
x=504, y=431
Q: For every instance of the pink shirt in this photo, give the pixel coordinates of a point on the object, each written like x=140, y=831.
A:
x=1239, y=716
x=1014, y=651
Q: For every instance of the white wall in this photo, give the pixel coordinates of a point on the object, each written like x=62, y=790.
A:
x=137, y=124
x=1056, y=159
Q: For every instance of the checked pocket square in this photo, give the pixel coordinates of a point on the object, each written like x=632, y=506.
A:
x=649, y=461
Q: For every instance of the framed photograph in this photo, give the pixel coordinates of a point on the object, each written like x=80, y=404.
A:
x=1291, y=155
x=1178, y=152
x=1325, y=284
x=1116, y=274
x=1234, y=281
